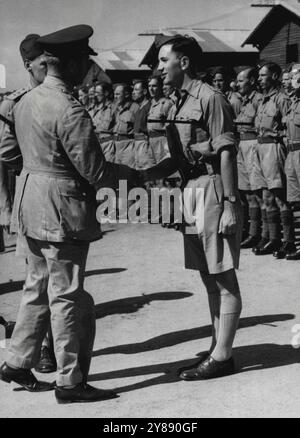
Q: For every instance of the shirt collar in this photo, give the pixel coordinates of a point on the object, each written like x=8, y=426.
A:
x=270, y=94
x=56, y=82
x=145, y=101
x=192, y=88
x=249, y=97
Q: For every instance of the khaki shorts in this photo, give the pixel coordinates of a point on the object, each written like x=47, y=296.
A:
x=245, y=160
x=268, y=166
x=292, y=171
x=159, y=147
x=144, y=157
x=108, y=149
x=125, y=152
x=210, y=251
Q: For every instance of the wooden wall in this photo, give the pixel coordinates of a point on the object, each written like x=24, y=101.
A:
x=275, y=50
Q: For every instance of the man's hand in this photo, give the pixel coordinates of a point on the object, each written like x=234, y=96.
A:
x=228, y=222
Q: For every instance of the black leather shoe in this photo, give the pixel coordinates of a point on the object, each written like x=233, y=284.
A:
x=269, y=248
x=287, y=248
x=209, y=369
x=201, y=358
x=293, y=256
x=24, y=378
x=260, y=244
x=250, y=242
x=82, y=393
x=47, y=362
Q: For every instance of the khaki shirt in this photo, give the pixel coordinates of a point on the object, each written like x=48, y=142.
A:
x=6, y=196
x=246, y=118
x=159, y=110
x=62, y=160
x=271, y=112
x=235, y=100
x=212, y=116
x=293, y=120
x=124, y=118
x=103, y=117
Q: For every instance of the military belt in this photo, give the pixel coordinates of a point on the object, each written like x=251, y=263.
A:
x=155, y=134
x=107, y=137
x=248, y=136
x=62, y=173
x=140, y=136
x=293, y=145
x=268, y=139
x=119, y=137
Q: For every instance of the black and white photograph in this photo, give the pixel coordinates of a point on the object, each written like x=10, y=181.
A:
x=149, y=211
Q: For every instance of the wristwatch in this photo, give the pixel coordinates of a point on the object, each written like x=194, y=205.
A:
x=230, y=198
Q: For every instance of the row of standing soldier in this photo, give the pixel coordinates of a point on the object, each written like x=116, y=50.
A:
x=264, y=110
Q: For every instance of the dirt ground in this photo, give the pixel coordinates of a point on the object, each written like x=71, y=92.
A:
x=152, y=318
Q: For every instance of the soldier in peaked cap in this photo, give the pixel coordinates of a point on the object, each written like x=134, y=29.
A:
x=55, y=209
x=31, y=54
x=212, y=243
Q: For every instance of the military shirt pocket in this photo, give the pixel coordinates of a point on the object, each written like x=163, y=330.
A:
x=270, y=111
x=77, y=210
x=249, y=115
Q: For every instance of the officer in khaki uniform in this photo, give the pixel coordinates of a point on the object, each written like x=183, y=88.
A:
x=55, y=208
x=244, y=122
x=214, y=249
x=32, y=56
x=269, y=178
x=159, y=110
x=103, y=119
x=287, y=83
x=7, y=177
x=221, y=80
x=292, y=163
x=124, y=114
x=143, y=155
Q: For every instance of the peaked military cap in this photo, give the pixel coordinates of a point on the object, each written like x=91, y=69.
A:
x=70, y=40
x=30, y=48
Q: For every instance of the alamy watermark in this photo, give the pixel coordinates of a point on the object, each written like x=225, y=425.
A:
x=139, y=205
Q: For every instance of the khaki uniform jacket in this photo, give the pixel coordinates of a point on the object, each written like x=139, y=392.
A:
x=248, y=111
x=124, y=118
x=6, y=194
x=293, y=120
x=159, y=110
x=103, y=117
x=235, y=100
x=271, y=112
x=62, y=160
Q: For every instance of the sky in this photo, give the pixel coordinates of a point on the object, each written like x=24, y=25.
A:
x=116, y=23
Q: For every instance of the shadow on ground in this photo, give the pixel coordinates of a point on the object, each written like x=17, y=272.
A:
x=248, y=358
x=133, y=304
x=15, y=286
x=104, y=271
x=11, y=286
x=178, y=337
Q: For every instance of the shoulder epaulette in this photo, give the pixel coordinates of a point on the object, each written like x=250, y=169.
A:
x=18, y=94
